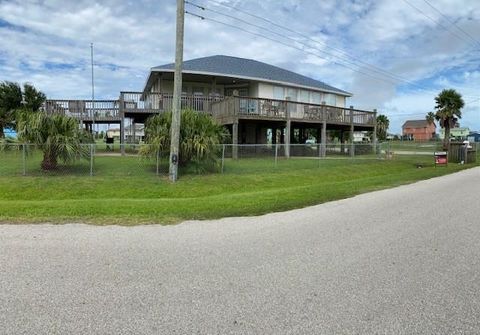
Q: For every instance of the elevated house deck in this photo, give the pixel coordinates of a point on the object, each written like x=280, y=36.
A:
x=239, y=114
x=257, y=102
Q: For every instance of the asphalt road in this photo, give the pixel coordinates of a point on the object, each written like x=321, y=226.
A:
x=399, y=261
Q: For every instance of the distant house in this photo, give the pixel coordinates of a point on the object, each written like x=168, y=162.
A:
x=419, y=130
x=360, y=136
x=459, y=133
x=131, y=131
x=474, y=136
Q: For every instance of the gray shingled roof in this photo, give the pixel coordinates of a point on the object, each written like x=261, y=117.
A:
x=249, y=68
x=415, y=124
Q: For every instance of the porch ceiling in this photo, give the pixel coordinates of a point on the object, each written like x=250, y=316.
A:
x=200, y=78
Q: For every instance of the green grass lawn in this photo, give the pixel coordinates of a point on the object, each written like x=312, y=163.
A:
x=125, y=190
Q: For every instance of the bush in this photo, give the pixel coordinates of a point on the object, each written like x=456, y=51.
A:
x=200, y=137
x=363, y=149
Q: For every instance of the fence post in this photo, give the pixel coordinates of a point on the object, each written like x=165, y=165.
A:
x=24, y=160
x=91, y=159
x=223, y=157
x=319, y=153
x=157, y=157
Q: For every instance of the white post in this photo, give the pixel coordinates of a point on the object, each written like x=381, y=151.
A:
x=276, y=154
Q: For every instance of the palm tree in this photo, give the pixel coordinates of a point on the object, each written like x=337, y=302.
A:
x=58, y=136
x=448, y=105
x=200, y=136
x=382, y=127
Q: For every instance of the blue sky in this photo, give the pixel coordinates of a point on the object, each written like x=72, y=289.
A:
x=347, y=44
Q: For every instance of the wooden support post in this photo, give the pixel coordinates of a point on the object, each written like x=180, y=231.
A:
x=121, y=112
x=288, y=130
x=177, y=94
x=133, y=132
x=324, y=138
x=235, y=139
x=122, y=134
x=374, y=136
x=352, y=128
x=287, y=137
x=342, y=142
x=324, y=130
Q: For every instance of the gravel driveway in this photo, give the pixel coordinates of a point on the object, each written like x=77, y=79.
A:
x=398, y=261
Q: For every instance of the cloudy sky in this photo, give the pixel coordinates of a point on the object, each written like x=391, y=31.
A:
x=393, y=55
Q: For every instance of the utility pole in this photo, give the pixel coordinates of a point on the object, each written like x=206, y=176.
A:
x=93, y=92
x=177, y=93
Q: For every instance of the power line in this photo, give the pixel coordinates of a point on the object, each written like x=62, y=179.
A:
x=434, y=21
x=377, y=69
x=472, y=101
x=374, y=68
x=453, y=23
x=381, y=72
x=280, y=42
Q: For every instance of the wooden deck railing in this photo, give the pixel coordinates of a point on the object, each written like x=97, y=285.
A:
x=154, y=102
x=279, y=109
x=84, y=109
x=219, y=106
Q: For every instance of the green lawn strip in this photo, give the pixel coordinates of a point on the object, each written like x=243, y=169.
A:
x=253, y=200
x=240, y=177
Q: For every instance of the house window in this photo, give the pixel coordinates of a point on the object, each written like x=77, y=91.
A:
x=330, y=99
x=292, y=94
x=278, y=92
x=340, y=101
x=304, y=96
x=315, y=98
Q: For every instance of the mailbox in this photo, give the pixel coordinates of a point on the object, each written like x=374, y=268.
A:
x=440, y=158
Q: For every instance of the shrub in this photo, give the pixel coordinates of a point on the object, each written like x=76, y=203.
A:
x=200, y=137
x=363, y=149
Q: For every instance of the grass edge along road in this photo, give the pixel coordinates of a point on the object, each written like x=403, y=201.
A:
x=131, y=200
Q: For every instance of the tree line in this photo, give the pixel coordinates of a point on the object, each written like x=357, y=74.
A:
x=14, y=100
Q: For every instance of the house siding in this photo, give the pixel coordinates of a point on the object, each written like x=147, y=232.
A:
x=420, y=133
x=257, y=90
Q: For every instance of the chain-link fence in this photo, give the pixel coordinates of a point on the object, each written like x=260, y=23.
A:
x=142, y=160
x=87, y=160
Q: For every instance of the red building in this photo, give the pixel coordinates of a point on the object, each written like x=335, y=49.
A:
x=419, y=130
